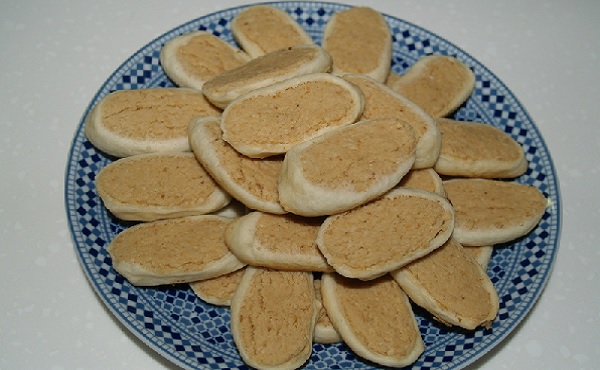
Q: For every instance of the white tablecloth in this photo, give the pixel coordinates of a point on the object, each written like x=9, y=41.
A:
x=55, y=55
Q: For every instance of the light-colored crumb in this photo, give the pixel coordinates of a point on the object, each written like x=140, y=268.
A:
x=153, y=114
x=157, y=181
x=360, y=157
x=205, y=56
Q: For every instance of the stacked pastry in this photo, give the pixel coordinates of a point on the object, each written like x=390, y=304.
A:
x=333, y=165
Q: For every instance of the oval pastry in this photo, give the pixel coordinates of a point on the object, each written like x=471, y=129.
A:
x=490, y=212
x=359, y=41
x=473, y=149
x=452, y=286
x=481, y=254
x=261, y=29
x=194, y=58
x=324, y=330
x=180, y=250
x=272, y=119
x=374, y=318
x=218, y=290
x=437, y=83
x=386, y=234
x=346, y=167
x=129, y=122
x=266, y=70
x=424, y=179
x=273, y=316
x=155, y=186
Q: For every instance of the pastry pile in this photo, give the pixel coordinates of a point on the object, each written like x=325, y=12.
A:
x=354, y=196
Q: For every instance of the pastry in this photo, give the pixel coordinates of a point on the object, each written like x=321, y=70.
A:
x=383, y=102
x=192, y=59
x=272, y=119
x=129, y=122
x=180, y=250
x=266, y=70
x=282, y=242
x=346, y=167
x=452, y=286
x=473, y=149
x=261, y=29
x=490, y=212
x=273, y=316
x=359, y=41
x=149, y=187
x=386, y=234
x=374, y=318
x=437, y=83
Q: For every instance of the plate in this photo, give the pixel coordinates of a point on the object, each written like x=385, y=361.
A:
x=192, y=334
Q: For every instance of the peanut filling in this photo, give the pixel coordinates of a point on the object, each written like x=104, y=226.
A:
x=359, y=156
x=289, y=115
x=389, y=229
x=174, y=246
x=276, y=314
x=153, y=114
x=206, y=56
x=378, y=314
x=474, y=142
x=160, y=181
x=453, y=280
x=362, y=26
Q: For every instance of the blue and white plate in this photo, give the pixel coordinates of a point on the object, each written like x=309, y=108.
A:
x=193, y=334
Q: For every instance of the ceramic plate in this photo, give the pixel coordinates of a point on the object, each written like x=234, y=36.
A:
x=192, y=334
